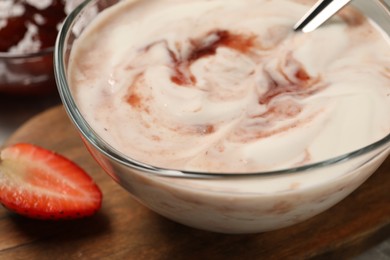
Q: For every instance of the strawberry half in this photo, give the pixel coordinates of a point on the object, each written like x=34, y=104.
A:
x=41, y=184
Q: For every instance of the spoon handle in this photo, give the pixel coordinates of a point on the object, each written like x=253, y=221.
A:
x=318, y=14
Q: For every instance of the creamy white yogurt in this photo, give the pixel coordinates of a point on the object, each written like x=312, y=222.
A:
x=226, y=86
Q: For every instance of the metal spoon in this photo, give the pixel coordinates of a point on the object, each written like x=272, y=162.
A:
x=318, y=14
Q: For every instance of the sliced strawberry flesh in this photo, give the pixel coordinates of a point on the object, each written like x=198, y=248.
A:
x=41, y=184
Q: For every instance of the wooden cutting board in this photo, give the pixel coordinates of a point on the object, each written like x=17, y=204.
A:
x=124, y=229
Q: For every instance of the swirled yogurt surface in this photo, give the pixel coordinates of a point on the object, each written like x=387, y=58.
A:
x=226, y=86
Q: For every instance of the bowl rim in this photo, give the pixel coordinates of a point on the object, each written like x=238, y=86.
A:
x=89, y=135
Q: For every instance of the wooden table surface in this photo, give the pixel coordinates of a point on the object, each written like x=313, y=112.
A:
x=124, y=229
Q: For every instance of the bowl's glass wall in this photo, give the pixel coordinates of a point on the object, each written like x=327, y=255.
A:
x=377, y=10
x=231, y=204
x=27, y=75
x=244, y=205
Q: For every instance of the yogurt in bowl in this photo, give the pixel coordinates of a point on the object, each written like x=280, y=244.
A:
x=217, y=115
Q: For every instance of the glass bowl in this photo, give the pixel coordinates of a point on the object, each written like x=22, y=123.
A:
x=27, y=74
x=226, y=203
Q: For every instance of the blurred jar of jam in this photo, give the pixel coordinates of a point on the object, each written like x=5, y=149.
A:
x=28, y=30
